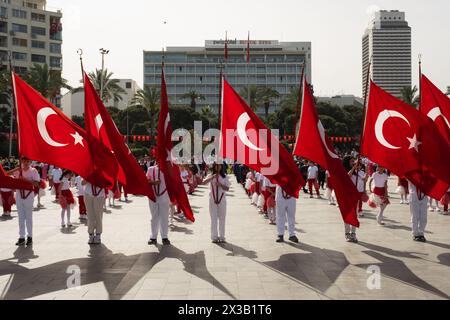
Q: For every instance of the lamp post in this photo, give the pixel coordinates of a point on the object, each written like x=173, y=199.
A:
x=103, y=52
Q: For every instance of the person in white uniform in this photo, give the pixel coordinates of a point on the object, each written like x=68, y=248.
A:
x=56, y=178
x=285, y=206
x=25, y=201
x=418, y=206
x=160, y=208
x=95, y=199
x=219, y=185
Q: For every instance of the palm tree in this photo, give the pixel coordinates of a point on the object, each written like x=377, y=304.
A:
x=290, y=101
x=250, y=95
x=193, y=96
x=46, y=81
x=409, y=95
x=150, y=99
x=266, y=96
x=207, y=114
x=111, y=88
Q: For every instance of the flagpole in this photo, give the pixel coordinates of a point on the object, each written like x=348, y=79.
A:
x=247, y=59
x=80, y=53
x=420, y=82
x=300, y=92
x=14, y=111
x=11, y=121
x=363, y=120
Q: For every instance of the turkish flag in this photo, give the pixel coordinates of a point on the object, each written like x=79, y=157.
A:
x=313, y=144
x=174, y=185
x=12, y=183
x=47, y=135
x=100, y=124
x=405, y=141
x=247, y=140
x=436, y=105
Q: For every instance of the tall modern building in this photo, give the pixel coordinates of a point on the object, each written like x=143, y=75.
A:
x=274, y=64
x=387, y=41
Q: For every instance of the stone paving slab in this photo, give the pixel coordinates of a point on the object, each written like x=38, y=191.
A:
x=250, y=266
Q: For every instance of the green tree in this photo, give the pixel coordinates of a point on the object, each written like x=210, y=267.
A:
x=193, y=96
x=209, y=118
x=79, y=120
x=251, y=93
x=266, y=95
x=112, y=91
x=46, y=81
x=409, y=95
x=150, y=99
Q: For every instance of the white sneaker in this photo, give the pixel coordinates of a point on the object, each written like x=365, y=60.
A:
x=402, y=202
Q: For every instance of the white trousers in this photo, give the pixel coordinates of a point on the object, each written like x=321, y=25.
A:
x=25, y=212
x=218, y=213
x=418, y=209
x=160, y=218
x=286, y=211
x=94, y=208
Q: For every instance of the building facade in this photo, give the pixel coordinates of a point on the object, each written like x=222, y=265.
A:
x=342, y=100
x=387, y=41
x=73, y=103
x=274, y=64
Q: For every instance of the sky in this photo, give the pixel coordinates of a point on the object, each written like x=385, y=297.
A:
x=335, y=28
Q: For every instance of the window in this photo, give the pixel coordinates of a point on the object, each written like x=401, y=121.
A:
x=20, y=42
x=19, y=28
x=3, y=41
x=38, y=44
x=19, y=56
x=128, y=85
x=38, y=30
x=31, y=5
x=55, y=47
x=4, y=26
x=20, y=70
x=55, y=62
x=3, y=12
x=38, y=17
x=19, y=13
x=38, y=58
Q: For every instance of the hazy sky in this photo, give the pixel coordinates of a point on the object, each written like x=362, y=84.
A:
x=334, y=27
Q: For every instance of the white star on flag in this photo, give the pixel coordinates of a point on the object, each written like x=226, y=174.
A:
x=414, y=144
x=78, y=139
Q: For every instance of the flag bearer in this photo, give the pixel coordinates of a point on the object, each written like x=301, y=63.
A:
x=160, y=208
x=56, y=178
x=418, y=206
x=379, y=196
x=285, y=211
x=66, y=199
x=94, y=198
x=25, y=200
x=219, y=185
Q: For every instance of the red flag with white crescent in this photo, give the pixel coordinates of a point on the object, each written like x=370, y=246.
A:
x=313, y=144
x=247, y=140
x=407, y=142
x=47, y=135
x=12, y=183
x=99, y=123
x=174, y=185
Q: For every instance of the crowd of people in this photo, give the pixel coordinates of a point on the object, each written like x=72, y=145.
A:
x=271, y=201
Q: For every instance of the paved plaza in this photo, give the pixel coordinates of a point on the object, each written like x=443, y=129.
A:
x=250, y=266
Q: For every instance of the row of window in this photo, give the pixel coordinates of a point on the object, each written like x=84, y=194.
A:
x=22, y=14
x=282, y=68
x=234, y=79
x=38, y=58
x=183, y=58
x=21, y=28
x=36, y=44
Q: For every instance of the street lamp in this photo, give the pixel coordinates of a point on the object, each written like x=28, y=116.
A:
x=103, y=52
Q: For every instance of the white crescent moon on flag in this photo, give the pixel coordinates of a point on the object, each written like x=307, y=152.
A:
x=42, y=116
x=98, y=122
x=382, y=117
x=242, y=132
x=322, y=137
x=436, y=112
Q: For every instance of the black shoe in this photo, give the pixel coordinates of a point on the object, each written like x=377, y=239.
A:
x=29, y=241
x=166, y=242
x=348, y=237
x=280, y=239
x=152, y=242
x=416, y=238
x=20, y=242
x=422, y=239
x=353, y=238
x=293, y=239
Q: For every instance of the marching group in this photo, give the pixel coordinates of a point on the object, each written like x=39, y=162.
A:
x=270, y=199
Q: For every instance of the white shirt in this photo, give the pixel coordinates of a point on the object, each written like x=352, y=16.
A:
x=184, y=175
x=213, y=186
x=279, y=195
x=79, y=185
x=89, y=188
x=361, y=176
x=153, y=173
x=312, y=172
x=65, y=184
x=380, y=179
x=56, y=174
x=31, y=175
x=267, y=183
